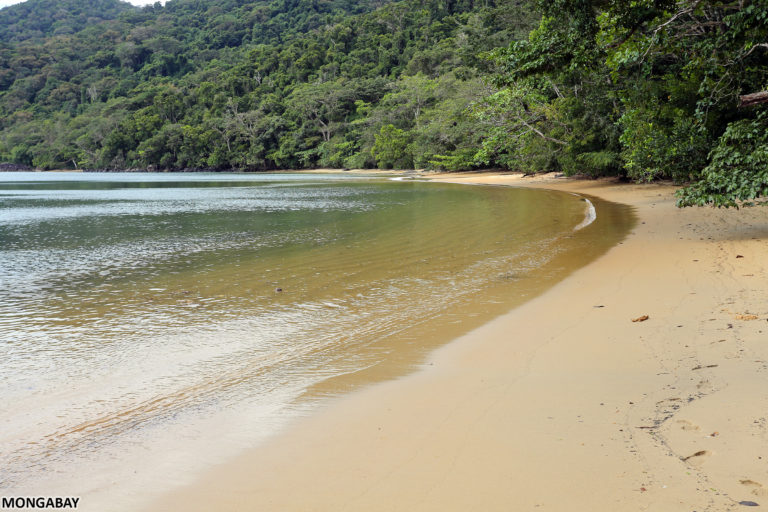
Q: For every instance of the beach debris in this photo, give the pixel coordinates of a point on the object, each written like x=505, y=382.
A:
x=746, y=316
x=598, y=306
x=748, y=503
x=643, y=489
x=700, y=367
x=739, y=256
x=714, y=434
x=697, y=454
x=642, y=318
x=278, y=290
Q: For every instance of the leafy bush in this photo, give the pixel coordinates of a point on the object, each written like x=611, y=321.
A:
x=392, y=148
x=659, y=145
x=738, y=170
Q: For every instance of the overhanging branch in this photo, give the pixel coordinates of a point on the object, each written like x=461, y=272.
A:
x=755, y=98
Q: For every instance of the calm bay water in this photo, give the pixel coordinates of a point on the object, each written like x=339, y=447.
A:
x=153, y=324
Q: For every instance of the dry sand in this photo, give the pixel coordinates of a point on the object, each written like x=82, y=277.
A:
x=564, y=403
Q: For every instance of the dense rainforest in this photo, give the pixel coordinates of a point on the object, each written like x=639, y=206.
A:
x=644, y=89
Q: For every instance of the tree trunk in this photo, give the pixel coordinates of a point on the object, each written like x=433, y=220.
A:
x=753, y=99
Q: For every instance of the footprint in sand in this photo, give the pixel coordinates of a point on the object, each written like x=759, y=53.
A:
x=757, y=487
x=687, y=425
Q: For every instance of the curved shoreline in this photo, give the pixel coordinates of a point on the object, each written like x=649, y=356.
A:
x=563, y=403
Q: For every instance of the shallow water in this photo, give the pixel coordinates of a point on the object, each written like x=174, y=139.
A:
x=151, y=323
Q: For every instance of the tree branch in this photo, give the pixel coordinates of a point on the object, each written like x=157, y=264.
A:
x=625, y=38
x=755, y=98
x=670, y=20
x=755, y=47
x=537, y=132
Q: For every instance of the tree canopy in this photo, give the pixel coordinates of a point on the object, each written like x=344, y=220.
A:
x=649, y=89
x=249, y=85
x=646, y=89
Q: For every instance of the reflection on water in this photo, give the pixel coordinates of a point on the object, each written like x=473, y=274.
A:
x=136, y=311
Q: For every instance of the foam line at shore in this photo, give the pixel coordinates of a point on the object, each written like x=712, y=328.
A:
x=589, y=217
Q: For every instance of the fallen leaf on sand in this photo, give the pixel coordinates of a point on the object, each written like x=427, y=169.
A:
x=697, y=454
x=746, y=317
x=641, y=318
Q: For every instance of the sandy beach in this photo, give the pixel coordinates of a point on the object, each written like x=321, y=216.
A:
x=564, y=403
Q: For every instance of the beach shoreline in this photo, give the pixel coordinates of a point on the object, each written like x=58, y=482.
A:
x=564, y=403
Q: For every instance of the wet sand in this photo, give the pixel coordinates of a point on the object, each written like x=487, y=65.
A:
x=563, y=403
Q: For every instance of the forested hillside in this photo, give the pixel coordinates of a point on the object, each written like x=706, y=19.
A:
x=646, y=89
x=253, y=85
x=40, y=18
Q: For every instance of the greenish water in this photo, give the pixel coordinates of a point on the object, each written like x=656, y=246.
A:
x=156, y=322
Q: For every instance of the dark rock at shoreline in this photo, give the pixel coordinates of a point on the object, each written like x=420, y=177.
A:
x=154, y=169
x=115, y=170
x=7, y=167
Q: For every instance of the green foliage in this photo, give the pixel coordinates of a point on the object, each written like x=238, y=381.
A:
x=35, y=19
x=507, y=118
x=640, y=88
x=245, y=84
x=636, y=88
x=460, y=160
x=738, y=168
x=392, y=149
x=659, y=147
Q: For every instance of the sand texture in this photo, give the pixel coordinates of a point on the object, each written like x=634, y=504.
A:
x=564, y=403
